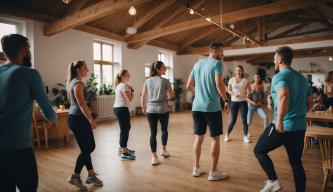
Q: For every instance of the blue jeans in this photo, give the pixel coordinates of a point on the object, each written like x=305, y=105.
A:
x=235, y=107
x=260, y=112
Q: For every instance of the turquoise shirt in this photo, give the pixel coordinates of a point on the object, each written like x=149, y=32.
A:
x=207, y=98
x=19, y=87
x=299, y=91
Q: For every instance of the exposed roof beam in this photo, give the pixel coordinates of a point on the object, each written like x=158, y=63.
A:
x=180, y=9
x=163, y=45
x=76, y=6
x=204, y=49
x=305, y=33
x=310, y=11
x=153, y=12
x=230, y=17
x=326, y=10
x=288, y=31
x=91, y=13
x=200, y=35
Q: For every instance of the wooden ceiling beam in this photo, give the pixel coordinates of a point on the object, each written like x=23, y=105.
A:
x=153, y=12
x=326, y=10
x=204, y=49
x=305, y=33
x=310, y=11
x=180, y=9
x=230, y=17
x=91, y=13
x=288, y=31
x=76, y=6
x=200, y=35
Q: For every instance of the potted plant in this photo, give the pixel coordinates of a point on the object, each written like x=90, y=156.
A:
x=178, y=89
x=91, y=88
x=60, y=96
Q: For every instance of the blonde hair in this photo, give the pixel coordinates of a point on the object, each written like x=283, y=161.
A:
x=118, y=77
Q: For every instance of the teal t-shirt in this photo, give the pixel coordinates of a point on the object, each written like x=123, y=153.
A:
x=19, y=87
x=207, y=98
x=299, y=91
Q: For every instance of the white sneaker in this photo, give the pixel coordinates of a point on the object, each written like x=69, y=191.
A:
x=248, y=135
x=197, y=172
x=217, y=175
x=155, y=161
x=246, y=139
x=165, y=153
x=272, y=186
x=226, y=138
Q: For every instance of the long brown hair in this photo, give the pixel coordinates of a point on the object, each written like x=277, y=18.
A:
x=72, y=73
x=157, y=65
x=241, y=67
x=118, y=77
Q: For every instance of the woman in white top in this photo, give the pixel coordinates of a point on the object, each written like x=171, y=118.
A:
x=123, y=95
x=239, y=89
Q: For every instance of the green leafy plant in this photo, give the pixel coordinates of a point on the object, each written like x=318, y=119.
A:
x=106, y=89
x=60, y=95
x=91, y=88
x=178, y=89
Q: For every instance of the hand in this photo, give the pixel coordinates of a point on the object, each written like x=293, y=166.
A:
x=279, y=126
x=93, y=124
x=143, y=109
x=238, y=94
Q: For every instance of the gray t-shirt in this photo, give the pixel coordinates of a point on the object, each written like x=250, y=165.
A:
x=157, y=94
x=120, y=100
x=74, y=109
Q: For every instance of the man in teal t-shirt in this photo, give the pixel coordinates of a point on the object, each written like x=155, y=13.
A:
x=19, y=86
x=206, y=83
x=292, y=98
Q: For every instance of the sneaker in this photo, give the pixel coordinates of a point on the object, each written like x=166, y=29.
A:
x=246, y=139
x=217, y=175
x=155, y=161
x=127, y=156
x=165, y=153
x=226, y=138
x=197, y=172
x=248, y=135
x=93, y=179
x=272, y=186
x=128, y=150
x=77, y=182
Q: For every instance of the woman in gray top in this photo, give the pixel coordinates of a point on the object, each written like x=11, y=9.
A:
x=81, y=123
x=158, y=91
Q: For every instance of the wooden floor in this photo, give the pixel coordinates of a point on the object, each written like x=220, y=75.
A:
x=174, y=174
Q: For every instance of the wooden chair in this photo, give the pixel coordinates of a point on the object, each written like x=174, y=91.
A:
x=326, y=147
x=39, y=125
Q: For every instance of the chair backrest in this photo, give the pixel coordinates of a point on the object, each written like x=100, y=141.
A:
x=326, y=144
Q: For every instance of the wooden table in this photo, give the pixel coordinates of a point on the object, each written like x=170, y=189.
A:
x=319, y=116
x=60, y=130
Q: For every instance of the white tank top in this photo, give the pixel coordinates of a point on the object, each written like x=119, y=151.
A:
x=238, y=88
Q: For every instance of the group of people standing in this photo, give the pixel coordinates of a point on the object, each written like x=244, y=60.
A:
x=20, y=85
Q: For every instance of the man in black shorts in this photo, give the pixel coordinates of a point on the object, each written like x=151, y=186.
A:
x=207, y=83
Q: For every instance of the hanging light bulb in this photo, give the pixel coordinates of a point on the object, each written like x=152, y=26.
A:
x=208, y=19
x=330, y=58
x=232, y=26
x=132, y=10
x=66, y=1
x=191, y=11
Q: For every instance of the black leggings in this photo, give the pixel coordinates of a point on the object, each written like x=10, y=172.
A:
x=83, y=133
x=153, y=120
x=124, y=119
x=293, y=142
x=19, y=169
x=235, y=106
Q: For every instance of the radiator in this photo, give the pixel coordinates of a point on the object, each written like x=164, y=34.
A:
x=105, y=107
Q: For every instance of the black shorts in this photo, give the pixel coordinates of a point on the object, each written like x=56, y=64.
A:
x=212, y=119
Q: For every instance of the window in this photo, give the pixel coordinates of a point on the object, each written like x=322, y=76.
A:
x=7, y=28
x=167, y=59
x=105, y=68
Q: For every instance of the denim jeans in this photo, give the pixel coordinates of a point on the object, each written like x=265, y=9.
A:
x=235, y=107
x=260, y=112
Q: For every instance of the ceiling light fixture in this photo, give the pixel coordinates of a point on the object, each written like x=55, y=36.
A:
x=131, y=30
x=330, y=58
x=66, y=1
x=132, y=11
